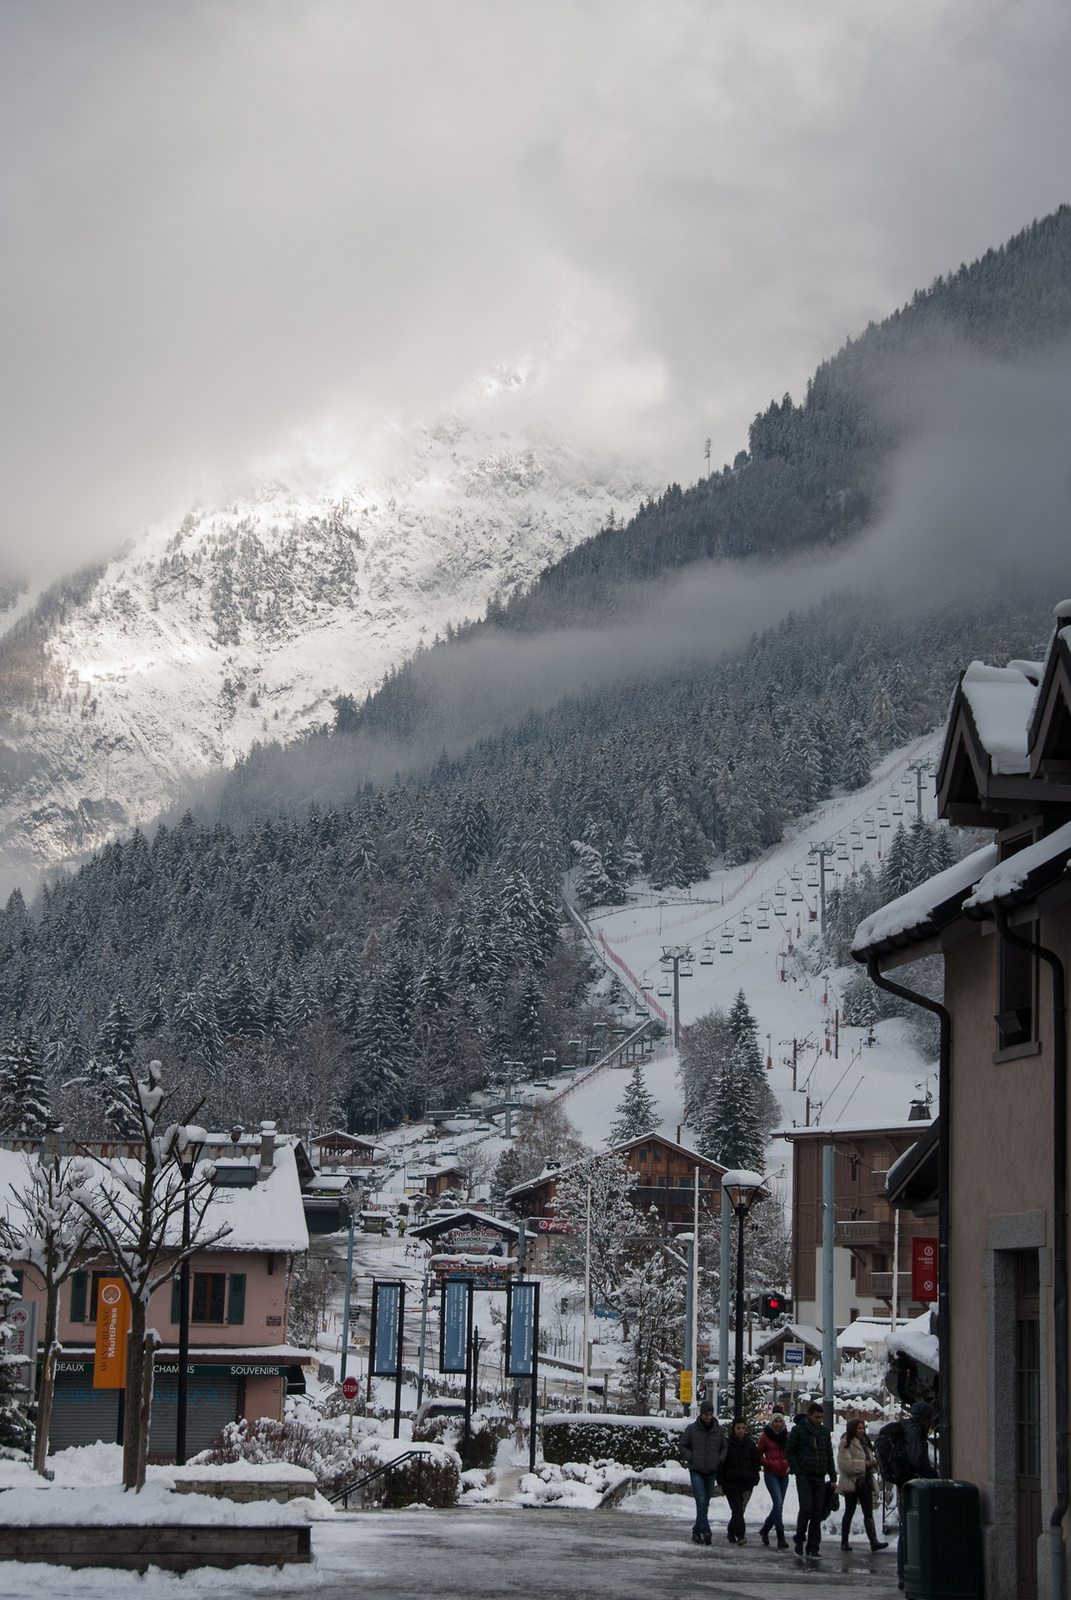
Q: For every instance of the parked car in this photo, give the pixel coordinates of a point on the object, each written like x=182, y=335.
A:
x=441, y=1407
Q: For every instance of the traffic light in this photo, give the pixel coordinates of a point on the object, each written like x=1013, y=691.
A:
x=774, y=1304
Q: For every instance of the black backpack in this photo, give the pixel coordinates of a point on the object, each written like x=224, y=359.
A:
x=892, y=1455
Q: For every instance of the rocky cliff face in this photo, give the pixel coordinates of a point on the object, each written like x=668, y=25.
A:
x=244, y=621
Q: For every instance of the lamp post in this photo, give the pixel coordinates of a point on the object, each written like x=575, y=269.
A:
x=189, y=1154
x=743, y=1189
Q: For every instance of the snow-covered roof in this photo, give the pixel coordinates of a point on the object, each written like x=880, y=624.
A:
x=795, y=1333
x=465, y=1219
x=863, y=1333
x=267, y=1216
x=916, y=912
x=1002, y=703
x=915, y=1339
x=848, y=1130
x=1005, y=879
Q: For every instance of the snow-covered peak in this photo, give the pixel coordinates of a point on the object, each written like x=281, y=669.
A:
x=242, y=621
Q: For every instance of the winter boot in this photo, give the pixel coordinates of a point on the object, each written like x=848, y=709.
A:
x=782, y=1542
x=764, y=1535
x=697, y=1537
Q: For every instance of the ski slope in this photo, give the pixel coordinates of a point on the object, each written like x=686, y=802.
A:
x=755, y=928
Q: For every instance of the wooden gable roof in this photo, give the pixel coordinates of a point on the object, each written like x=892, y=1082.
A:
x=1050, y=727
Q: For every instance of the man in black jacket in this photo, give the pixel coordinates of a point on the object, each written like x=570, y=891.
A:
x=703, y=1446
x=810, y=1459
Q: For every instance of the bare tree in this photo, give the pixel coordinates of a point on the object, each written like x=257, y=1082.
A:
x=54, y=1234
x=135, y=1214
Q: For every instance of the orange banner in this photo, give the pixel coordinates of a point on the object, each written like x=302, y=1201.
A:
x=113, y=1321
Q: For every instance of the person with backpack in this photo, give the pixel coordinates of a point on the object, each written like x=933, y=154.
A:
x=810, y=1458
x=772, y=1442
x=703, y=1446
x=856, y=1467
x=738, y=1475
x=903, y=1453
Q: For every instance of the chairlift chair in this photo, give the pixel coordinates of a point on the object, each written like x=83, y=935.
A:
x=707, y=958
x=764, y=920
x=727, y=945
x=797, y=896
x=745, y=935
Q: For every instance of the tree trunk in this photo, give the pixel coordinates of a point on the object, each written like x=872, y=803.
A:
x=135, y=1365
x=145, y=1412
x=48, y=1381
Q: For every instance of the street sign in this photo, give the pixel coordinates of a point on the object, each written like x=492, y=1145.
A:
x=795, y=1355
x=350, y=1388
x=924, y=1270
x=21, y=1342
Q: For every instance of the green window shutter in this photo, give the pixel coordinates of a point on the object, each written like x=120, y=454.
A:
x=236, y=1303
x=18, y=1283
x=176, y=1298
x=79, y=1286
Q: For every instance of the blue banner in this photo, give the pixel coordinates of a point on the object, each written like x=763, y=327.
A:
x=523, y=1322
x=386, y=1308
x=454, y=1325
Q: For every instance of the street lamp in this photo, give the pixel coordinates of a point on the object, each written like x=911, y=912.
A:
x=743, y=1189
x=189, y=1154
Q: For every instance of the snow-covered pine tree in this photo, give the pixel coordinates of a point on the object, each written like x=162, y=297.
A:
x=25, y=1111
x=15, y=1431
x=637, y=1110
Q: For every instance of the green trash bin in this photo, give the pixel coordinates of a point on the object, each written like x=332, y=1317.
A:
x=942, y=1540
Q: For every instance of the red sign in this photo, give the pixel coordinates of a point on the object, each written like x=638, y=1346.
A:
x=553, y=1225
x=350, y=1388
x=924, y=1270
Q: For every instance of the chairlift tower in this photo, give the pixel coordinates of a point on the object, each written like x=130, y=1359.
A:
x=922, y=770
x=672, y=956
x=819, y=850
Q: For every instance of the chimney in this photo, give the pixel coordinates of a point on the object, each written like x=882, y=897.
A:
x=267, y=1149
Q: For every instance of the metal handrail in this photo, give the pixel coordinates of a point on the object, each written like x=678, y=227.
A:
x=377, y=1472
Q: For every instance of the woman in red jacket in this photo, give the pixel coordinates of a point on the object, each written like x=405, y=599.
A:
x=774, y=1462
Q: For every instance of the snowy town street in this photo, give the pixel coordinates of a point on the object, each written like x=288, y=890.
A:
x=499, y=1554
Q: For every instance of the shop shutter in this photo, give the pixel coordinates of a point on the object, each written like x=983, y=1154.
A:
x=236, y=1304
x=211, y=1403
x=80, y=1413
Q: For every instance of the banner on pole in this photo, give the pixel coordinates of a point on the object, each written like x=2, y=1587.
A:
x=924, y=1270
x=386, y=1313
x=113, y=1323
x=686, y=1387
x=454, y=1325
x=522, y=1329
x=21, y=1340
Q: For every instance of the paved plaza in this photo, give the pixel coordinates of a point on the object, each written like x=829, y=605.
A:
x=497, y=1553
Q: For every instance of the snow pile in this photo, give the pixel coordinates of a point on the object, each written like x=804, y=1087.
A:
x=1007, y=877
x=916, y=908
x=577, y=1485
x=1002, y=702
x=916, y=1340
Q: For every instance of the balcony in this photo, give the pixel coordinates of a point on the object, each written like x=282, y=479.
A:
x=881, y=1282
x=864, y=1233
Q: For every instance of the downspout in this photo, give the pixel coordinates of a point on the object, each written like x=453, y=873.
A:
x=1059, y=1236
x=944, y=1170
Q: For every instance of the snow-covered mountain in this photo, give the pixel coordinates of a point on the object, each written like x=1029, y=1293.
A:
x=242, y=622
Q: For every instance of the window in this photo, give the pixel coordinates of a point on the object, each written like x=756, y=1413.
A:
x=656, y=1154
x=236, y=1298
x=84, y=1289
x=209, y=1294
x=879, y=1262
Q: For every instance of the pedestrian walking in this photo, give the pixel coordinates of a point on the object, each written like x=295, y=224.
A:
x=774, y=1463
x=739, y=1473
x=856, y=1478
x=703, y=1446
x=810, y=1459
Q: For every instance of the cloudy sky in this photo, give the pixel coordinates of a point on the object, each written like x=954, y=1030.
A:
x=240, y=235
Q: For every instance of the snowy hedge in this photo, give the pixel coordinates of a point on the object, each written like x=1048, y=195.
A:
x=633, y=1441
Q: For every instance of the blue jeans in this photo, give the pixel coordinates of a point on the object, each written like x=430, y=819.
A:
x=776, y=1487
x=702, y=1487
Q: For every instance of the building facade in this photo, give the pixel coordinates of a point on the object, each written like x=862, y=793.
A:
x=1001, y=920
x=240, y=1362
x=869, y=1245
